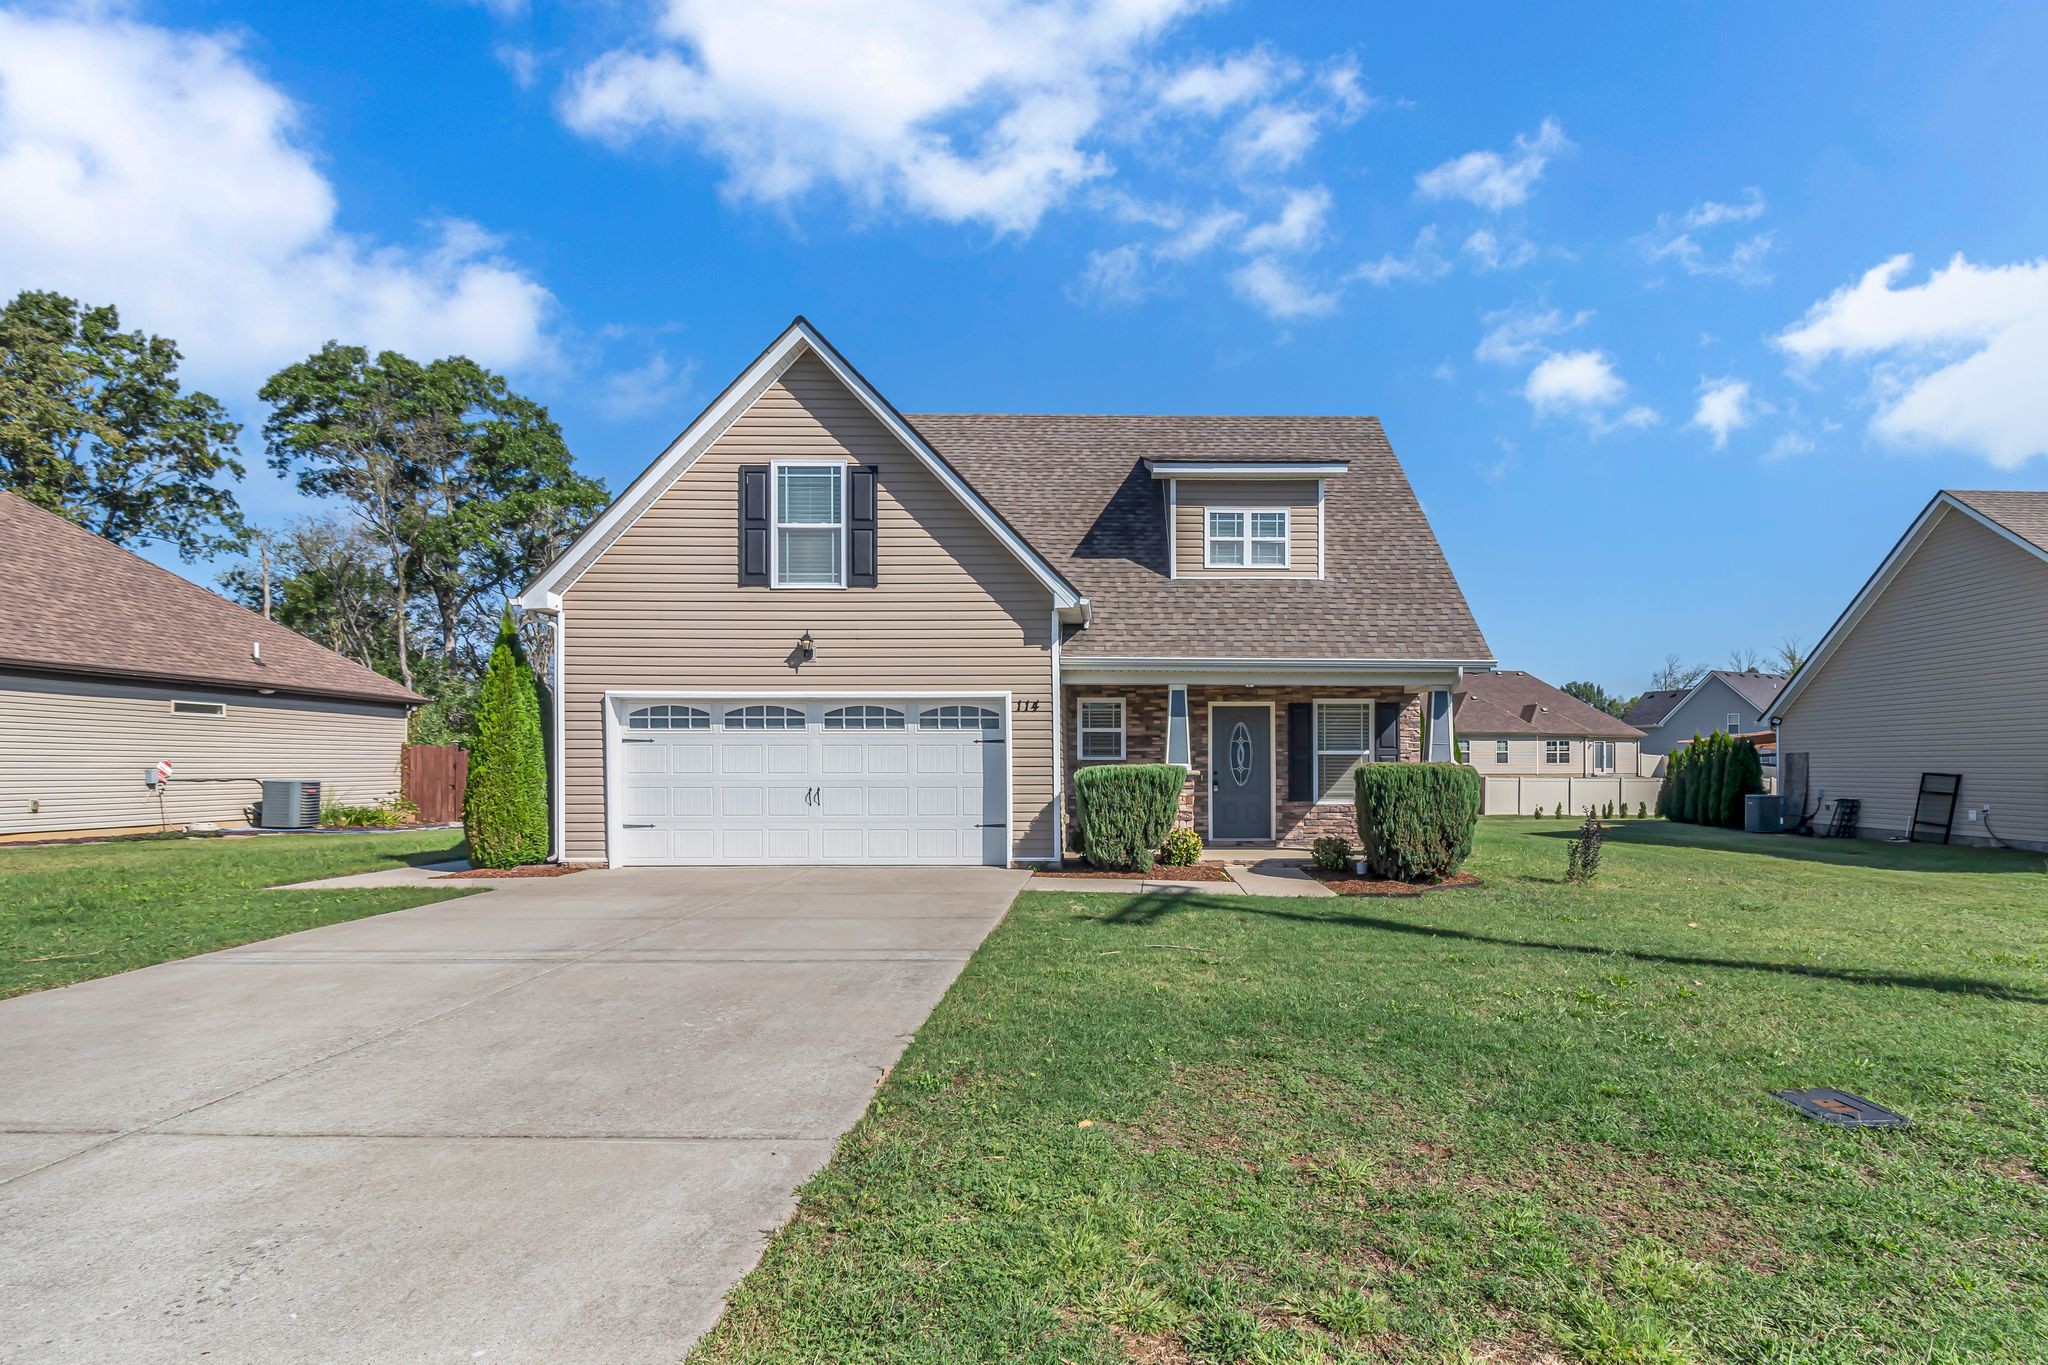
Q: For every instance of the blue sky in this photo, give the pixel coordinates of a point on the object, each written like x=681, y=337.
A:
x=1630, y=292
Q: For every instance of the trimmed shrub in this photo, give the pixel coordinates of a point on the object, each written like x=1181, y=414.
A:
x=1643, y=809
x=1124, y=811
x=1181, y=848
x=505, y=809
x=1415, y=820
x=1332, y=853
x=1559, y=812
x=1607, y=811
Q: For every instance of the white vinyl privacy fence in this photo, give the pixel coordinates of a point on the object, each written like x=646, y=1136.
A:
x=1530, y=795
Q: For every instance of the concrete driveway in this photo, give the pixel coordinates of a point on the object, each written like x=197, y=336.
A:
x=552, y=1122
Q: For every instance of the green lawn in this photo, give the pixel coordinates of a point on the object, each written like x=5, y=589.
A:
x=73, y=912
x=1517, y=1123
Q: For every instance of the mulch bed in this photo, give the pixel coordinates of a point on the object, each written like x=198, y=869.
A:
x=529, y=870
x=1345, y=884
x=1193, y=872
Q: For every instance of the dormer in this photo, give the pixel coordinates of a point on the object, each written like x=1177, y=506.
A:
x=1244, y=518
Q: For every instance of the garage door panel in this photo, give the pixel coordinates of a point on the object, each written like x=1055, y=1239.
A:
x=881, y=785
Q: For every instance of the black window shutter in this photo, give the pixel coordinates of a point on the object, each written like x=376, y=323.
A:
x=1387, y=744
x=754, y=525
x=1301, y=751
x=860, y=526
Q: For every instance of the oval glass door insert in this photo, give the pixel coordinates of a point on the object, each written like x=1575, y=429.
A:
x=1241, y=754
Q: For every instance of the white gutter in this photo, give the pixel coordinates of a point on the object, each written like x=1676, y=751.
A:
x=1240, y=469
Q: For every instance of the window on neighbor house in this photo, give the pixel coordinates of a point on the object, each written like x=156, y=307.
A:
x=809, y=529
x=1238, y=540
x=1603, y=756
x=1464, y=751
x=1099, y=728
x=1734, y=722
x=1500, y=751
x=1343, y=742
x=1557, y=751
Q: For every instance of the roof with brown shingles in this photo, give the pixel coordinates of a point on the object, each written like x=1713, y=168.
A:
x=77, y=604
x=1077, y=488
x=1510, y=702
x=2024, y=514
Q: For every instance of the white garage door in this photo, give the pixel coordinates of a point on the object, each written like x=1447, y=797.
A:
x=810, y=780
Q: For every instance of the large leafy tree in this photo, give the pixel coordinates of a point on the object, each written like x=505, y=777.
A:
x=1597, y=697
x=465, y=486
x=95, y=426
x=327, y=583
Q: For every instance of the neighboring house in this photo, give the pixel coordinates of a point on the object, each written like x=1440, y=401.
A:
x=817, y=630
x=1937, y=666
x=1538, y=748
x=109, y=664
x=1732, y=702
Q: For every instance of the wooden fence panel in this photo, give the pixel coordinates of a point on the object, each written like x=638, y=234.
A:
x=435, y=776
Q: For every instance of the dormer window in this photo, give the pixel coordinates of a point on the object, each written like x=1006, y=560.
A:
x=1246, y=539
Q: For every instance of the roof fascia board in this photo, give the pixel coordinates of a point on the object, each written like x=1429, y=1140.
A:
x=1874, y=587
x=1241, y=469
x=545, y=593
x=1273, y=672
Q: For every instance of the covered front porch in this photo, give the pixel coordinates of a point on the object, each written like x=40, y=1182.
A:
x=1268, y=762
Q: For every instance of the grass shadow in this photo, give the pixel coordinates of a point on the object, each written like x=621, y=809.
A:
x=1148, y=910
x=1828, y=852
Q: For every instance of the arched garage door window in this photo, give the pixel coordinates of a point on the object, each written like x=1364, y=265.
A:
x=958, y=718
x=864, y=718
x=764, y=718
x=668, y=718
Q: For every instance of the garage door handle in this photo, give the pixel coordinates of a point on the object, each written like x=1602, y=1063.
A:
x=988, y=741
x=1000, y=825
x=628, y=739
x=636, y=827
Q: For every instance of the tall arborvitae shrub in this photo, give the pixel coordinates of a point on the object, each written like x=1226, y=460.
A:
x=1415, y=820
x=1745, y=777
x=1702, y=768
x=1667, y=790
x=1124, y=811
x=505, y=809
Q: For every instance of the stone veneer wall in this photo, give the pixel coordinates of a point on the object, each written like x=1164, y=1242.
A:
x=1300, y=822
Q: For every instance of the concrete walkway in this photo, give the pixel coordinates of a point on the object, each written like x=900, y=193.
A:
x=555, y=1121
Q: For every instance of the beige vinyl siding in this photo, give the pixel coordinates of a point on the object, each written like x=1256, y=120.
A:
x=953, y=609
x=78, y=751
x=1194, y=498
x=1525, y=757
x=1944, y=673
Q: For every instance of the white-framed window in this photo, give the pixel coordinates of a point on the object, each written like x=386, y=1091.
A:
x=668, y=718
x=1246, y=539
x=1557, y=751
x=1734, y=722
x=1464, y=751
x=1099, y=727
x=1603, y=755
x=958, y=718
x=764, y=718
x=199, y=708
x=1343, y=742
x=1500, y=751
x=810, y=525
x=864, y=718
x=1177, y=746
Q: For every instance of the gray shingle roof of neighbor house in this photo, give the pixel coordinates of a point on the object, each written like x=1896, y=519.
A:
x=1652, y=707
x=1758, y=689
x=77, y=604
x=2022, y=513
x=1078, y=488
x=1511, y=702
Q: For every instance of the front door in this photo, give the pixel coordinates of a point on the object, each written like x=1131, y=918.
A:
x=1241, y=773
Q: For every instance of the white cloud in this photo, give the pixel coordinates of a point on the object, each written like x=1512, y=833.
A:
x=1116, y=275
x=1516, y=335
x=1488, y=252
x=1422, y=263
x=1788, y=445
x=647, y=388
x=1583, y=385
x=1300, y=224
x=1280, y=293
x=1711, y=214
x=1956, y=361
x=157, y=170
x=1674, y=239
x=964, y=113
x=1272, y=137
x=1492, y=180
x=1197, y=237
x=521, y=63
x=1725, y=406
x=1215, y=87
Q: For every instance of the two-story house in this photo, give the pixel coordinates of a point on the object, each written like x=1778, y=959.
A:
x=1733, y=702
x=818, y=630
